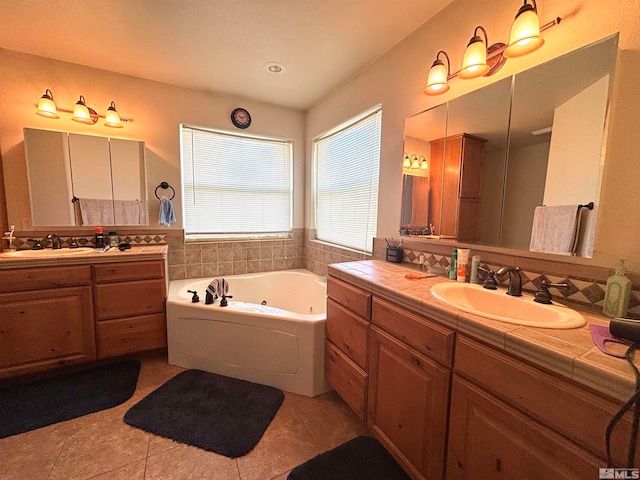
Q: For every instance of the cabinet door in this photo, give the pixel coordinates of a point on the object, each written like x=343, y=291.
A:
x=489, y=440
x=468, y=215
x=471, y=170
x=40, y=329
x=408, y=397
x=129, y=298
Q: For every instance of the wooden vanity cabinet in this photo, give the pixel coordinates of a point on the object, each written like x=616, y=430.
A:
x=129, y=300
x=46, y=319
x=347, y=344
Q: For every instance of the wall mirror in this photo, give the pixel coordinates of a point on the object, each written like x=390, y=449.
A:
x=85, y=180
x=504, y=151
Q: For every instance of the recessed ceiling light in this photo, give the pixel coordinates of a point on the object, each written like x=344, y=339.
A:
x=275, y=67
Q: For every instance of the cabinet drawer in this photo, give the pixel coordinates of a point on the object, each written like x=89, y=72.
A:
x=45, y=277
x=415, y=330
x=127, y=335
x=356, y=300
x=546, y=397
x=113, y=272
x=348, y=332
x=129, y=298
x=349, y=380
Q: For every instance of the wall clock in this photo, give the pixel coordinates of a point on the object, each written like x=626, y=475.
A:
x=241, y=118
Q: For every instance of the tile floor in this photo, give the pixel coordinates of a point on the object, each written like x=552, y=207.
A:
x=101, y=446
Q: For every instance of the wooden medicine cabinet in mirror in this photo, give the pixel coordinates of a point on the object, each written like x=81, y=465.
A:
x=496, y=154
x=85, y=180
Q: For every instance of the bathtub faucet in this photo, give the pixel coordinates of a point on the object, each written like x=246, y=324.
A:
x=223, y=302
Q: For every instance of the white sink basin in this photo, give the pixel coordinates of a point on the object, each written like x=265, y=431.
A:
x=47, y=252
x=497, y=305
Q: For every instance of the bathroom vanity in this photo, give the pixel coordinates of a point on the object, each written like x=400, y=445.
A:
x=57, y=310
x=458, y=396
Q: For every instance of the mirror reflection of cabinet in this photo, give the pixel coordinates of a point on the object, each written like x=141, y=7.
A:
x=67, y=171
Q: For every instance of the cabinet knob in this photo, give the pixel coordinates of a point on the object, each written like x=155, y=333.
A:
x=498, y=465
x=415, y=360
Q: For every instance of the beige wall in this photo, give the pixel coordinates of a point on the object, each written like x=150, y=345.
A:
x=155, y=108
x=397, y=79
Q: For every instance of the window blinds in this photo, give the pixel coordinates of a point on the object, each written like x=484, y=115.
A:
x=346, y=191
x=235, y=186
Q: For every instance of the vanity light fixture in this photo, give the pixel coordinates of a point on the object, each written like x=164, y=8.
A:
x=424, y=165
x=81, y=113
x=414, y=162
x=112, y=118
x=474, y=62
x=406, y=163
x=46, y=106
x=482, y=59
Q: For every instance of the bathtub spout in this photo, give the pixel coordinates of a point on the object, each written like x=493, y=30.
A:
x=208, y=299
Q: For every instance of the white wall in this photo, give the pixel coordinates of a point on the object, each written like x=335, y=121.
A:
x=396, y=80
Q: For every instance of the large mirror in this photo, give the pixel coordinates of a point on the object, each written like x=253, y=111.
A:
x=523, y=158
x=85, y=180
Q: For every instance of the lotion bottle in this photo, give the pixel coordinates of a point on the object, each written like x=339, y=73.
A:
x=616, y=297
x=453, y=267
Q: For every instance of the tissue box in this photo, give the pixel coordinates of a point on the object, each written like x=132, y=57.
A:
x=394, y=254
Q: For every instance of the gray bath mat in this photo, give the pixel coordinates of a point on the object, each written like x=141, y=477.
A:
x=216, y=413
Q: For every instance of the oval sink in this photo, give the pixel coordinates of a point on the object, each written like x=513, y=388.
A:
x=48, y=252
x=497, y=305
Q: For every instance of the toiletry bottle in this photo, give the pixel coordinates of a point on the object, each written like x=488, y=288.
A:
x=463, y=259
x=475, y=263
x=98, y=237
x=616, y=297
x=453, y=266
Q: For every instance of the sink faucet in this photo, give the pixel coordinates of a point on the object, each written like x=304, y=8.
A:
x=515, y=280
x=56, y=244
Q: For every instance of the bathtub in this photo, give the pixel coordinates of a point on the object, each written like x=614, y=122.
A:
x=272, y=332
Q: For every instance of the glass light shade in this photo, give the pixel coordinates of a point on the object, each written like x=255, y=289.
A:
x=415, y=163
x=47, y=107
x=424, y=165
x=525, y=34
x=111, y=117
x=406, y=163
x=437, y=79
x=81, y=112
x=474, y=62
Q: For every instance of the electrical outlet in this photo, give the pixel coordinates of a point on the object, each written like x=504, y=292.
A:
x=27, y=224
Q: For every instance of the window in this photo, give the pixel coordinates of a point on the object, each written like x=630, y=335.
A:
x=235, y=186
x=347, y=161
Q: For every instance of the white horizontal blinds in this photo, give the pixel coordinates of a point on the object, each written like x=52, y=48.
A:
x=235, y=185
x=347, y=166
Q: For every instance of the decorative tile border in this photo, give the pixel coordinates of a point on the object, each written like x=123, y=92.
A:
x=23, y=243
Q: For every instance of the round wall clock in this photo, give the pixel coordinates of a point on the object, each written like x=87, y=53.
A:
x=241, y=118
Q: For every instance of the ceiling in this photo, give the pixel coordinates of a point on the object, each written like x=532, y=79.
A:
x=218, y=45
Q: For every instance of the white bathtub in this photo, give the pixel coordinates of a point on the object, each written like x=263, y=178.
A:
x=280, y=343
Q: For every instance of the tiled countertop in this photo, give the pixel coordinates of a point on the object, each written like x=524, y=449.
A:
x=570, y=353
x=147, y=252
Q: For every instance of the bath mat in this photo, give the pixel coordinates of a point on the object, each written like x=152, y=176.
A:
x=25, y=407
x=216, y=413
x=363, y=458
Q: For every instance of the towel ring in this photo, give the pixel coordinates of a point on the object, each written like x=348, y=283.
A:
x=164, y=185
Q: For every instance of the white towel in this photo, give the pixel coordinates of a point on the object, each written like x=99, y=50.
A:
x=96, y=211
x=218, y=287
x=128, y=212
x=167, y=215
x=554, y=229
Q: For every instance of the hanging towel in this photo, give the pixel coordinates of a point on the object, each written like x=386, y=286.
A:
x=218, y=287
x=167, y=215
x=96, y=211
x=128, y=212
x=555, y=229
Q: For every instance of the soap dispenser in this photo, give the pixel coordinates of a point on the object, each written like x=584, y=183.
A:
x=616, y=297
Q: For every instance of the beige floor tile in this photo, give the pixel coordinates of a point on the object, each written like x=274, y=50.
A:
x=186, y=462
x=134, y=471
x=159, y=444
x=99, y=447
x=282, y=477
x=329, y=421
x=31, y=455
x=278, y=451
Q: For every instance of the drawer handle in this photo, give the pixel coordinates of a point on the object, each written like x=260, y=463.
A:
x=416, y=361
x=498, y=465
